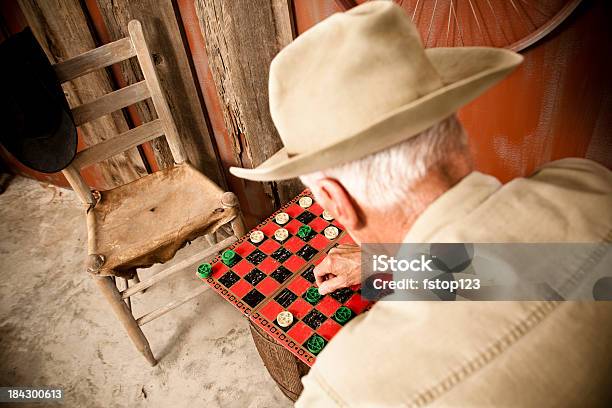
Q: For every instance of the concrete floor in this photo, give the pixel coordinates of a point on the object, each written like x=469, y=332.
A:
x=56, y=329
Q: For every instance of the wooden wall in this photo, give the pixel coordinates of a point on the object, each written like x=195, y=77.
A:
x=213, y=57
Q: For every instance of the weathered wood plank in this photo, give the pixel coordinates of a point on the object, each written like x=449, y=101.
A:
x=95, y=59
x=120, y=143
x=164, y=39
x=241, y=38
x=110, y=102
x=62, y=30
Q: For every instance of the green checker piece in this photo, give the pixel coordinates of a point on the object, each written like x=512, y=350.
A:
x=204, y=270
x=315, y=344
x=304, y=231
x=228, y=256
x=313, y=295
x=343, y=314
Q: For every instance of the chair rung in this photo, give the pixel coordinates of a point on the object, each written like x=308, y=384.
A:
x=146, y=318
x=110, y=102
x=139, y=287
x=95, y=59
x=119, y=143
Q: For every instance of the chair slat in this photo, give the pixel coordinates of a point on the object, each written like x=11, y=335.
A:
x=110, y=102
x=97, y=58
x=119, y=144
x=157, y=95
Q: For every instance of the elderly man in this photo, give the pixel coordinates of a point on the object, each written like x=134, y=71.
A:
x=367, y=119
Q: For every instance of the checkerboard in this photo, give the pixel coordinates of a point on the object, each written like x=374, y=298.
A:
x=266, y=278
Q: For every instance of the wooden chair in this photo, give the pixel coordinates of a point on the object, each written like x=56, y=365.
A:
x=146, y=221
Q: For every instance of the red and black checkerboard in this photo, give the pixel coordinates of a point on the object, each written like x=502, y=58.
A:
x=267, y=278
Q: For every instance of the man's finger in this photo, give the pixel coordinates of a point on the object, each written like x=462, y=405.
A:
x=332, y=284
x=319, y=279
x=321, y=271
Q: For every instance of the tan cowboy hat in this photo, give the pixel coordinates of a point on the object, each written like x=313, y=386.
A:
x=360, y=82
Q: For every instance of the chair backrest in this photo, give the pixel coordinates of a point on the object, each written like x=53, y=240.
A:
x=108, y=54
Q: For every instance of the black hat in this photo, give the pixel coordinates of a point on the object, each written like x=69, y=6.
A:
x=36, y=125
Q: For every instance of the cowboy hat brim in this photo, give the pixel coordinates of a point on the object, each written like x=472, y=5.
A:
x=466, y=72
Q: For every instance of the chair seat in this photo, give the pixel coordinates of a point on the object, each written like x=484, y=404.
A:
x=146, y=221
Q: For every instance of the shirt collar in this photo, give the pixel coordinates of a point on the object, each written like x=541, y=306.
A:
x=454, y=204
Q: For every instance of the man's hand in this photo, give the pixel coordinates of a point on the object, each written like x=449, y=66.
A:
x=341, y=268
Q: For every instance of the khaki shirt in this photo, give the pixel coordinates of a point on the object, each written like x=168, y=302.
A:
x=460, y=354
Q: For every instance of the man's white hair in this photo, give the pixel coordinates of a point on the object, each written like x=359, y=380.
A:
x=385, y=179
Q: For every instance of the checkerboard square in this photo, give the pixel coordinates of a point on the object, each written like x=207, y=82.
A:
x=241, y=288
x=268, y=265
x=269, y=229
x=254, y=277
x=281, y=274
x=293, y=226
x=299, y=285
x=271, y=310
x=328, y=329
x=300, y=332
x=244, y=249
x=294, y=244
x=285, y=297
x=316, y=209
x=256, y=257
x=318, y=224
x=342, y=295
x=218, y=270
x=229, y=279
x=308, y=274
x=253, y=298
x=314, y=319
x=294, y=210
x=305, y=217
x=328, y=305
x=357, y=304
x=346, y=240
x=281, y=254
x=269, y=246
x=243, y=267
x=268, y=286
x=300, y=308
x=294, y=263
x=307, y=252
x=319, y=242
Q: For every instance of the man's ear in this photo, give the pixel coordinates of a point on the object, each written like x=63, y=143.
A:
x=333, y=197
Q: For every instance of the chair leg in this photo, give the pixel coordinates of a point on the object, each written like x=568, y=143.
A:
x=112, y=295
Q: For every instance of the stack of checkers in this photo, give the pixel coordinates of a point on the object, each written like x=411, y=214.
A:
x=268, y=276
